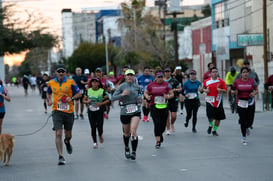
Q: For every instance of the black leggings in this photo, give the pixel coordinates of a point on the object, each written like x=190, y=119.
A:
x=96, y=122
x=192, y=106
x=246, y=118
x=160, y=117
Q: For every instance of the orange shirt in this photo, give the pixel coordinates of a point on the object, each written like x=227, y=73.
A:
x=66, y=88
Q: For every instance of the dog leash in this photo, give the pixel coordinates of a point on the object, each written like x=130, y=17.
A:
x=36, y=131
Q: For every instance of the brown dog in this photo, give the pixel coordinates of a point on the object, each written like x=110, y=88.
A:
x=6, y=147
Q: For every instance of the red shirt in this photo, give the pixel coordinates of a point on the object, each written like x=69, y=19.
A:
x=214, y=95
x=156, y=89
x=270, y=83
x=207, y=75
x=244, y=87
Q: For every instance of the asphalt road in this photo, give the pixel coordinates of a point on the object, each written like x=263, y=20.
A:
x=183, y=155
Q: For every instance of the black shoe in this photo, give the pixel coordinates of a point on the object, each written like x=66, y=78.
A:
x=209, y=130
x=61, y=160
x=127, y=153
x=69, y=148
x=186, y=124
x=133, y=155
x=81, y=116
x=194, y=130
x=214, y=133
x=161, y=139
x=158, y=144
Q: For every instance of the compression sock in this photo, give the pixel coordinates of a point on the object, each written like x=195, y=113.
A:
x=126, y=140
x=215, y=128
x=210, y=123
x=144, y=109
x=134, y=142
x=148, y=111
x=45, y=106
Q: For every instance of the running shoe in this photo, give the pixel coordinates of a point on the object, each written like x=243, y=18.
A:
x=101, y=139
x=173, y=128
x=61, y=160
x=181, y=112
x=158, y=144
x=95, y=145
x=247, y=131
x=243, y=141
x=76, y=117
x=133, y=155
x=81, y=116
x=69, y=148
x=145, y=118
x=214, y=133
x=209, y=130
x=168, y=132
x=186, y=124
x=105, y=116
x=127, y=153
x=194, y=130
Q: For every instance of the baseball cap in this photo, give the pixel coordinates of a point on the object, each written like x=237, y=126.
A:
x=192, y=72
x=95, y=78
x=167, y=69
x=60, y=67
x=232, y=69
x=178, y=68
x=159, y=74
x=111, y=73
x=99, y=69
x=86, y=71
x=129, y=71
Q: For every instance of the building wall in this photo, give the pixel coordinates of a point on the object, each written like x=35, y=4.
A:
x=67, y=34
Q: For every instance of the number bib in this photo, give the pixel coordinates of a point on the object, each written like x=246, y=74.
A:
x=93, y=108
x=192, y=95
x=210, y=99
x=159, y=100
x=45, y=89
x=62, y=106
x=243, y=103
x=131, y=108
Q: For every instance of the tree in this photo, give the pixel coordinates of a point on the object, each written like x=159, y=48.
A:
x=90, y=56
x=206, y=11
x=19, y=35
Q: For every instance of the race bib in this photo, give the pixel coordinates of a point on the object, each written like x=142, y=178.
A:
x=131, y=108
x=62, y=106
x=45, y=89
x=81, y=91
x=210, y=99
x=159, y=100
x=243, y=103
x=191, y=95
x=93, y=108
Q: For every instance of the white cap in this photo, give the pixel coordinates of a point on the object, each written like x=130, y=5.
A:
x=86, y=71
x=178, y=68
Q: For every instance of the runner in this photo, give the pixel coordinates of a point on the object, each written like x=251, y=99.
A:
x=63, y=90
x=214, y=87
x=3, y=96
x=208, y=73
x=25, y=82
x=95, y=97
x=269, y=87
x=179, y=75
x=143, y=81
x=172, y=103
x=81, y=80
x=129, y=96
x=43, y=88
x=246, y=89
x=158, y=92
x=230, y=77
x=192, y=102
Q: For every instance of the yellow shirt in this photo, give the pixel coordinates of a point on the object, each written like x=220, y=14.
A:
x=230, y=79
x=66, y=88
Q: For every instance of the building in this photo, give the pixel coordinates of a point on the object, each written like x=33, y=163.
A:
x=77, y=28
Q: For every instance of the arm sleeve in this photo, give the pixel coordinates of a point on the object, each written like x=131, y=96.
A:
x=117, y=94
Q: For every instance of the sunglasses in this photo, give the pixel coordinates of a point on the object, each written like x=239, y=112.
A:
x=130, y=74
x=167, y=71
x=61, y=71
x=193, y=73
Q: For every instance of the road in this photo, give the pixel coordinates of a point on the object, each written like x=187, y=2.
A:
x=183, y=156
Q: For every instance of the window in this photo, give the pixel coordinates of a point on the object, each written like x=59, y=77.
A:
x=221, y=14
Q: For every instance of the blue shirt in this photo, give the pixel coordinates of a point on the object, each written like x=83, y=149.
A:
x=2, y=105
x=144, y=81
x=191, y=87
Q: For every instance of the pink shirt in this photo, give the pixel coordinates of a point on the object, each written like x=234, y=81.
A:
x=156, y=89
x=244, y=87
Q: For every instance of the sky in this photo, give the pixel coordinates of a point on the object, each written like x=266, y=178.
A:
x=51, y=10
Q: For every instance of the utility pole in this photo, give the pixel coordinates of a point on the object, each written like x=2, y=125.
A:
x=265, y=52
x=2, y=65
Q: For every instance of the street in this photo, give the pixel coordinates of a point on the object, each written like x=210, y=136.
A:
x=183, y=155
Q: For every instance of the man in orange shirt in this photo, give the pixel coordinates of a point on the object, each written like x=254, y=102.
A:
x=62, y=88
